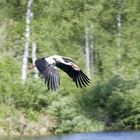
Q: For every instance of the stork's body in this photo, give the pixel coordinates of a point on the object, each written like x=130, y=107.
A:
x=47, y=66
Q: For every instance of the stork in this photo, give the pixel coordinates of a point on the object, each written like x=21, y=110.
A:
x=48, y=67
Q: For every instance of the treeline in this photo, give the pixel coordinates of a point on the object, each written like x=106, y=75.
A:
x=111, y=102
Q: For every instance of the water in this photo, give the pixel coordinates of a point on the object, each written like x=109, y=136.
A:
x=88, y=136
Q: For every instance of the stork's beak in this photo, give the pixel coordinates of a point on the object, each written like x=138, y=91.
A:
x=31, y=66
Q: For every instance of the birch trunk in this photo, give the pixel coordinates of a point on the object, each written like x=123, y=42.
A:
x=119, y=25
x=91, y=51
x=27, y=42
x=34, y=47
x=87, y=50
x=89, y=44
x=118, y=38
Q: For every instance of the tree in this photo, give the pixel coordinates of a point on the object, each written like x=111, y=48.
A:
x=34, y=48
x=27, y=41
x=89, y=50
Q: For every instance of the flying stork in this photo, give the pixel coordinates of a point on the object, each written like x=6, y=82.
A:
x=47, y=66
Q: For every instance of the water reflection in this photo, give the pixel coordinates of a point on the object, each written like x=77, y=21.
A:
x=135, y=135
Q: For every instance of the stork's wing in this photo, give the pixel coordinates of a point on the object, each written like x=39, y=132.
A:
x=52, y=77
x=50, y=72
x=77, y=75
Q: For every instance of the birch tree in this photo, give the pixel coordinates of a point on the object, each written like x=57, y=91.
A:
x=27, y=41
x=119, y=25
x=89, y=50
x=34, y=48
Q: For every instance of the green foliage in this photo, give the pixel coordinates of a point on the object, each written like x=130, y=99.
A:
x=111, y=102
x=58, y=27
x=69, y=119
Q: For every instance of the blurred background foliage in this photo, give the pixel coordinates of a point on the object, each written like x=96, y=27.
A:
x=111, y=102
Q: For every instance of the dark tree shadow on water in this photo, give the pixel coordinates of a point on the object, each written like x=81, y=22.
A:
x=108, y=101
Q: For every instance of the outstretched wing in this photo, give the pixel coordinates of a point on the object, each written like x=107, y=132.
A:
x=77, y=75
x=50, y=72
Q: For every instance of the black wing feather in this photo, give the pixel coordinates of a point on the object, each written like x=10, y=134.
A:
x=77, y=75
x=51, y=75
x=82, y=81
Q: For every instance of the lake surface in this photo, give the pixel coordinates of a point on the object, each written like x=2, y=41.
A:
x=131, y=135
